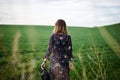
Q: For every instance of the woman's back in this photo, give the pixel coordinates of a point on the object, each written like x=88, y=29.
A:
x=60, y=46
x=59, y=61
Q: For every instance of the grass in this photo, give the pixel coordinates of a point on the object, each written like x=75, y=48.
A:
x=96, y=52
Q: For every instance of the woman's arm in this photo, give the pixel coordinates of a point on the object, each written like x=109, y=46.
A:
x=70, y=55
x=50, y=47
x=48, y=52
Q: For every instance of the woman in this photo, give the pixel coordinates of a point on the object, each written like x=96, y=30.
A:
x=60, y=46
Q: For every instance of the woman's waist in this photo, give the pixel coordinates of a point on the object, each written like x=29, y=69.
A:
x=60, y=56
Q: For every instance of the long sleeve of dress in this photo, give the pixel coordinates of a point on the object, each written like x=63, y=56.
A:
x=50, y=47
x=70, y=48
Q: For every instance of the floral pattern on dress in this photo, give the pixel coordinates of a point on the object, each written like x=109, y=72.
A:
x=60, y=46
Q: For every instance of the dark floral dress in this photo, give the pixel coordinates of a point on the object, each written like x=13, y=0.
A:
x=60, y=46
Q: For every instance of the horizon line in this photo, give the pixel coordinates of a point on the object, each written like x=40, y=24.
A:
x=53, y=25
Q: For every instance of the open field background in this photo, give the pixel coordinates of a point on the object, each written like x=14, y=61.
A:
x=96, y=52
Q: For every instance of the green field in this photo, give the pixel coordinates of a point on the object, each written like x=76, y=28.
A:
x=96, y=52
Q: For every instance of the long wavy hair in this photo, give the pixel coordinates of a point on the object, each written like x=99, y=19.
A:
x=60, y=27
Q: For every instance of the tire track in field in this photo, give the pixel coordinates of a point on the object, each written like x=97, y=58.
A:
x=15, y=58
x=31, y=69
x=31, y=37
x=110, y=40
x=15, y=47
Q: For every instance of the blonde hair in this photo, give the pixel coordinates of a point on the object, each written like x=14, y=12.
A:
x=60, y=27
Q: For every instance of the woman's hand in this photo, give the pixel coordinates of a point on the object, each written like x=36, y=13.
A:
x=43, y=64
x=71, y=65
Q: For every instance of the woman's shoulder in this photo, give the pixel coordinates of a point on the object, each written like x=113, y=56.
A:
x=69, y=36
x=52, y=34
x=57, y=34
